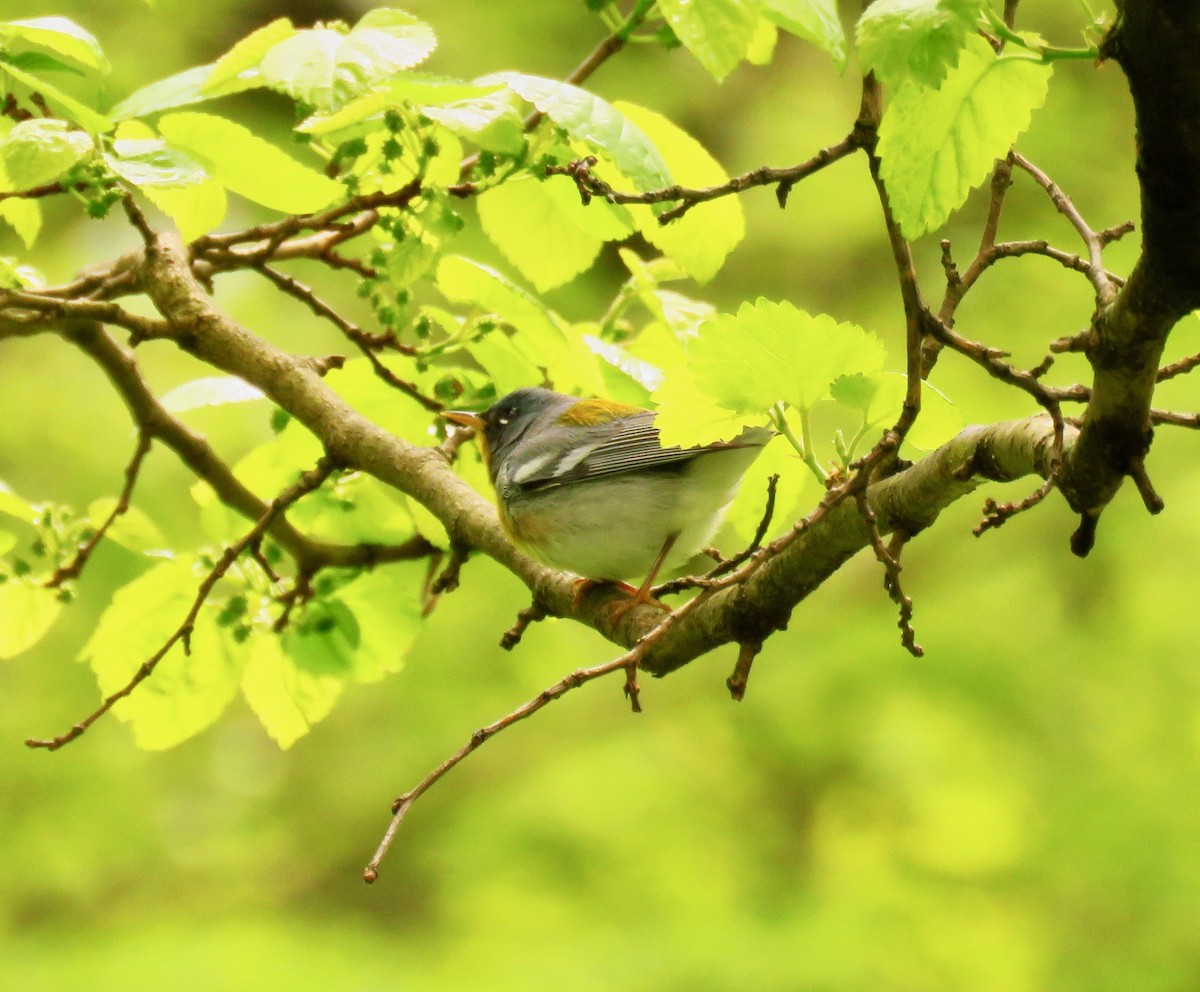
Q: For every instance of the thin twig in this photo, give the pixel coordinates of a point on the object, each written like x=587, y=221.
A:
x=530, y=615
x=307, y=482
x=1181, y=367
x=685, y=198
x=727, y=564
x=998, y=514
x=355, y=334
x=74, y=568
x=31, y=306
x=889, y=557
x=736, y=683
x=1106, y=289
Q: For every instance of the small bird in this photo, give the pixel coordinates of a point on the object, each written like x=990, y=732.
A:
x=586, y=485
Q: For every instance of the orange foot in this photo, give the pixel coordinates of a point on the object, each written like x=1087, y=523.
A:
x=636, y=597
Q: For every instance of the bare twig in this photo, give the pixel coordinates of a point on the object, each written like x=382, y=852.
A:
x=34, y=307
x=998, y=514
x=531, y=614
x=447, y=581
x=1174, y=419
x=727, y=564
x=1181, y=367
x=360, y=338
x=1106, y=289
x=685, y=198
x=138, y=220
x=74, y=568
x=34, y=192
x=736, y=683
x=1150, y=498
x=889, y=557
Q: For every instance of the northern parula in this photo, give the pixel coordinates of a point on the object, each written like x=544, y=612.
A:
x=586, y=485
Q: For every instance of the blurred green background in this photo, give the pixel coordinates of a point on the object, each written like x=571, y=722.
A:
x=1016, y=811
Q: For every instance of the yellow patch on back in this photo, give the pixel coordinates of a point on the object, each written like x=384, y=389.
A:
x=589, y=413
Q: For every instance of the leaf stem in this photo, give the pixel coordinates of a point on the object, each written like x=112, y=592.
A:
x=803, y=443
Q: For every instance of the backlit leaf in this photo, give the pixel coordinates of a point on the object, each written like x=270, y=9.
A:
x=210, y=391
x=546, y=231
x=61, y=37
x=701, y=239
x=596, y=122
x=917, y=40
x=286, y=698
x=935, y=145
x=717, y=32
x=247, y=164
x=27, y=611
x=248, y=52
x=180, y=90
x=40, y=150
x=186, y=692
x=773, y=352
x=813, y=20
x=61, y=103
x=324, y=67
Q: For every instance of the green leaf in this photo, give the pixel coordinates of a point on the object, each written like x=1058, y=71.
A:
x=745, y=513
x=144, y=162
x=762, y=46
x=623, y=374
x=422, y=89
x=186, y=692
x=210, y=391
x=247, y=165
x=813, y=20
x=501, y=359
x=23, y=216
x=286, y=698
x=388, y=604
x=325, y=68
x=594, y=121
x=132, y=530
x=248, y=52
x=8, y=541
x=58, y=101
x=15, y=276
x=180, y=90
x=27, y=611
x=62, y=38
x=490, y=121
x=935, y=145
x=195, y=209
x=14, y=506
x=408, y=89
x=540, y=336
x=717, y=32
x=916, y=40
x=323, y=638
x=687, y=416
x=879, y=396
x=546, y=231
x=40, y=150
x=772, y=352
x=701, y=239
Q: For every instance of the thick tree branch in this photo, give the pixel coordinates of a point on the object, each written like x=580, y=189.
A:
x=759, y=596
x=1157, y=43
x=155, y=422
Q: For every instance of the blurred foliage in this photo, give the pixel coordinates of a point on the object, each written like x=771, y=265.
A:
x=1014, y=812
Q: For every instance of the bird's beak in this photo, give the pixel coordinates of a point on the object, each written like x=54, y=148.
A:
x=464, y=418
